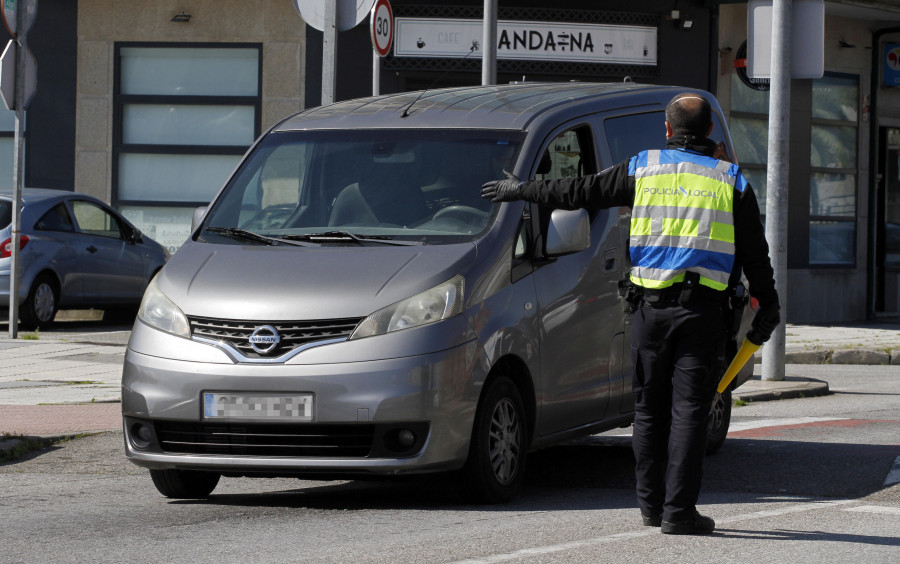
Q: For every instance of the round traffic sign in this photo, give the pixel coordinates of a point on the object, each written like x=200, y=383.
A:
x=348, y=13
x=382, y=29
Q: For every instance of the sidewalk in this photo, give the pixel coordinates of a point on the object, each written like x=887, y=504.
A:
x=68, y=382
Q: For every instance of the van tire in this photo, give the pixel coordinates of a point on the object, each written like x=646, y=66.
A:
x=719, y=420
x=495, y=467
x=39, y=308
x=184, y=484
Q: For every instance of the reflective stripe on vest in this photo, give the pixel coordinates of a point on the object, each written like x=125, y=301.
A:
x=682, y=219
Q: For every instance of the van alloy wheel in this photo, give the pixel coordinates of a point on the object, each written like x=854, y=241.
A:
x=496, y=464
x=719, y=420
x=505, y=441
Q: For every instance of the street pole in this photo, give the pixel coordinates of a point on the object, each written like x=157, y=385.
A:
x=376, y=73
x=329, y=51
x=489, y=44
x=777, y=177
x=18, y=174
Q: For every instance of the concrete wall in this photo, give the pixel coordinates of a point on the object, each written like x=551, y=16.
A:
x=101, y=23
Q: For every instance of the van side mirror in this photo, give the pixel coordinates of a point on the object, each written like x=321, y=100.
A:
x=569, y=232
x=136, y=236
x=198, y=217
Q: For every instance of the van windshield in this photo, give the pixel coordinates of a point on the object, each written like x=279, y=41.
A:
x=415, y=185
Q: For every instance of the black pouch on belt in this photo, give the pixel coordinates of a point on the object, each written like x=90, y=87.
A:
x=691, y=280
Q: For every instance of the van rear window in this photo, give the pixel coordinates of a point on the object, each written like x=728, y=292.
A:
x=631, y=134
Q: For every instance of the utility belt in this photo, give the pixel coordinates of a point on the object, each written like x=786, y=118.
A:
x=681, y=293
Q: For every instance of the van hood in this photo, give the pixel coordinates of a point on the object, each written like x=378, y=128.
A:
x=282, y=283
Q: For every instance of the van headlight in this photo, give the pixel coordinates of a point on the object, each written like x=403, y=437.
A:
x=161, y=313
x=439, y=303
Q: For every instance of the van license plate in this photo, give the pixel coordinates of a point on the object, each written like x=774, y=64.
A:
x=266, y=407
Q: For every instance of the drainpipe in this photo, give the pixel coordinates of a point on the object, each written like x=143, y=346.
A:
x=872, y=232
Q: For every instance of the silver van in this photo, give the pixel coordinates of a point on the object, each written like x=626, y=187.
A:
x=348, y=305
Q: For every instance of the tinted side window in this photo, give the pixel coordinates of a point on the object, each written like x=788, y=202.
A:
x=57, y=219
x=629, y=135
x=95, y=220
x=568, y=155
x=5, y=213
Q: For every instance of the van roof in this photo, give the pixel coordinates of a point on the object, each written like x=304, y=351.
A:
x=511, y=106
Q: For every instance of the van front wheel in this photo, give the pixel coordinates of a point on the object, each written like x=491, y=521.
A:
x=719, y=420
x=496, y=464
x=184, y=484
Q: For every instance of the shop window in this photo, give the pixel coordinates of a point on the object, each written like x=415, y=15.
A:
x=749, y=125
x=833, y=160
x=833, y=164
x=185, y=114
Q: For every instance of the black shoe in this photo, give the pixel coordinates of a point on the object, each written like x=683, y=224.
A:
x=699, y=525
x=651, y=520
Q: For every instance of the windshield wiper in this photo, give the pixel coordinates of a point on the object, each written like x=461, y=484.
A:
x=347, y=236
x=238, y=233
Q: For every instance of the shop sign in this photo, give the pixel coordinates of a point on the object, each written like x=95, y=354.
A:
x=527, y=41
x=891, y=65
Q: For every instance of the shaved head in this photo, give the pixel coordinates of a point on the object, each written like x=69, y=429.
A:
x=689, y=114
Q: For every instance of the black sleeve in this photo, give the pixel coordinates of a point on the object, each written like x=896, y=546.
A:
x=612, y=187
x=752, y=249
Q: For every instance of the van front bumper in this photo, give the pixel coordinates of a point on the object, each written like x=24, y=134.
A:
x=433, y=396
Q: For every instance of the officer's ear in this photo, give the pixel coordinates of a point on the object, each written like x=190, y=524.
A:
x=711, y=127
x=669, y=131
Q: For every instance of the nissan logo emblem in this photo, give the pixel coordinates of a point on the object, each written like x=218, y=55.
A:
x=264, y=339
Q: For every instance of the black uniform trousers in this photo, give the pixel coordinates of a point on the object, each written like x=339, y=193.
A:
x=678, y=353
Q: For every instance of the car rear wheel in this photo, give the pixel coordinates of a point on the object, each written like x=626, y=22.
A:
x=39, y=308
x=719, y=420
x=496, y=464
x=184, y=484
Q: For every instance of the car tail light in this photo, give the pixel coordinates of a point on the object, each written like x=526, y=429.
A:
x=6, y=246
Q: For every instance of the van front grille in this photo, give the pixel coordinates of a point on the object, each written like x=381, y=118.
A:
x=266, y=439
x=293, y=334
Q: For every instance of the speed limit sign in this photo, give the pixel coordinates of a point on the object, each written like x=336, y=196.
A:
x=382, y=27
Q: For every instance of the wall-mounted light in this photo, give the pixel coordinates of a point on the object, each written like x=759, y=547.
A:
x=687, y=23
x=183, y=17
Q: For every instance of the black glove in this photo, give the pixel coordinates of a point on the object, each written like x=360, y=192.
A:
x=764, y=323
x=506, y=190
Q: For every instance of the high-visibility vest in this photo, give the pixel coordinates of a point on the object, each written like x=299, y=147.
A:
x=682, y=219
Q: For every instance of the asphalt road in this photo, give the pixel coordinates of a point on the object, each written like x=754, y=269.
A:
x=798, y=481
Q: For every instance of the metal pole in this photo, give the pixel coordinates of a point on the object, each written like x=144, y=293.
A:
x=777, y=177
x=489, y=44
x=329, y=52
x=18, y=173
x=376, y=73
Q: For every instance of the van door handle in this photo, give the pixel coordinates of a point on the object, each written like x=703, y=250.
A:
x=609, y=264
x=92, y=249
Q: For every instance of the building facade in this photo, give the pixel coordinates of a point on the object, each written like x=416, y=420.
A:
x=150, y=105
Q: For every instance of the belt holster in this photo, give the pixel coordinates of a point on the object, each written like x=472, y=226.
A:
x=691, y=280
x=632, y=294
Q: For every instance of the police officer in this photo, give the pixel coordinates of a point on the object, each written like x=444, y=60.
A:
x=695, y=226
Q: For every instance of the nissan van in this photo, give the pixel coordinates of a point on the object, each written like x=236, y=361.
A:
x=348, y=305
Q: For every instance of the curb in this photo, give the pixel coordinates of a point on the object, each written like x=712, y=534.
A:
x=790, y=388
x=862, y=357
